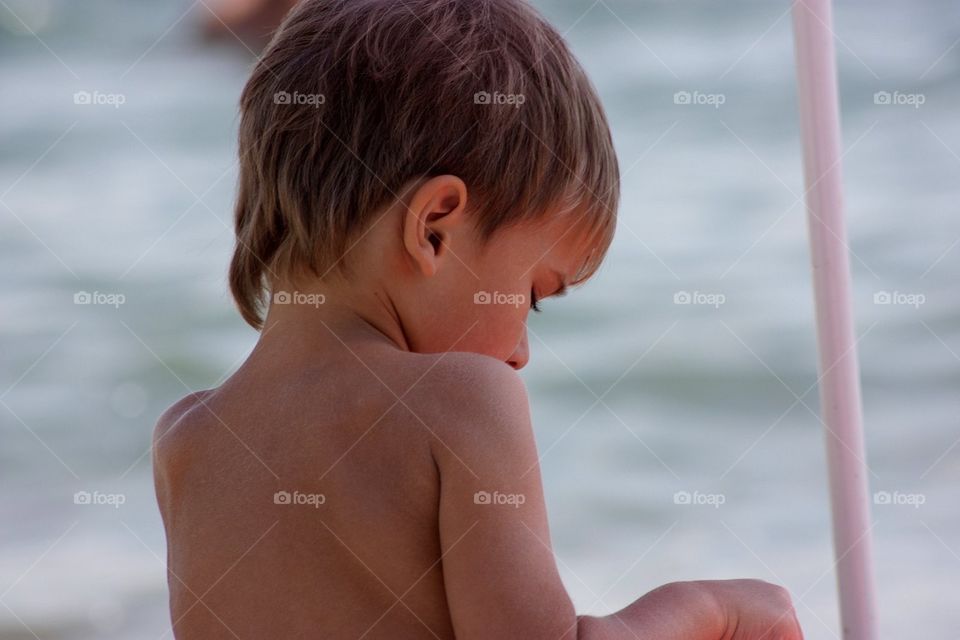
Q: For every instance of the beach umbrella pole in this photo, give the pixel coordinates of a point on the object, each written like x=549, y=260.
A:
x=837, y=354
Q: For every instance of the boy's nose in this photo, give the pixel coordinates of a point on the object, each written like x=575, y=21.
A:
x=521, y=355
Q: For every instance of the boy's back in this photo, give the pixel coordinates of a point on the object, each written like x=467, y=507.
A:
x=310, y=489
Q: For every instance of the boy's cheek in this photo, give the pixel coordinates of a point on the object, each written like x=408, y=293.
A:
x=502, y=331
x=484, y=330
x=481, y=322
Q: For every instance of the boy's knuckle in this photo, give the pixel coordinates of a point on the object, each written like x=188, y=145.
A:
x=779, y=592
x=784, y=594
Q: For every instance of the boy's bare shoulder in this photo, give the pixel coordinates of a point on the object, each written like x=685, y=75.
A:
x=167, y=446
x=473, y=400
x=469, y=381
x=169, y=418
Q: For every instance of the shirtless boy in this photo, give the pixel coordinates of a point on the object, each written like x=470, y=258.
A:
x=415, y=175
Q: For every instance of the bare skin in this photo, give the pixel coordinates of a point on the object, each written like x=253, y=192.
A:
x=392, y=421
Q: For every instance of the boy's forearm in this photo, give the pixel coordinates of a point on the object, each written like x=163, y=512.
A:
x=675, y=611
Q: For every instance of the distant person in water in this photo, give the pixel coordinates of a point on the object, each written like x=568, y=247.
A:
x=252, y=21
x=415, y=177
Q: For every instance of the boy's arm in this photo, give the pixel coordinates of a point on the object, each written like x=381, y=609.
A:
x=498, y=565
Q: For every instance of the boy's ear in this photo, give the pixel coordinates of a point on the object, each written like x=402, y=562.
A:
x=434, y=213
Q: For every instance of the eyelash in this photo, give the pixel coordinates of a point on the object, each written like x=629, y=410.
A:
x=533, y=302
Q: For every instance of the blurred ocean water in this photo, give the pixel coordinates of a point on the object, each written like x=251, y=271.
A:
x=636, y=396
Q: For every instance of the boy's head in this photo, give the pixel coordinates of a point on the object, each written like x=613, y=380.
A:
x=458, y=143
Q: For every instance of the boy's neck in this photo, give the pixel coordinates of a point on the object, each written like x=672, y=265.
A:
x=315, y=315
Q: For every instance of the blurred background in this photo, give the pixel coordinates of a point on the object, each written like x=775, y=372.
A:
x=674, y=396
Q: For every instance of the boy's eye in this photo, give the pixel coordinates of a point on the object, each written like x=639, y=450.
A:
x=533, y=302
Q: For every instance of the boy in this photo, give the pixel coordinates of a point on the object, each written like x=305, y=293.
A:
x=414, y=176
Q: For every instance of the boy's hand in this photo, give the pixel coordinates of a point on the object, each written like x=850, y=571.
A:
x=755, y=610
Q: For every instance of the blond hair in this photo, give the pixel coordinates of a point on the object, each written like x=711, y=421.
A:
x=354, y=98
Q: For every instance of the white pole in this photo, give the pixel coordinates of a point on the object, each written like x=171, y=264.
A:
x=840, y=377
